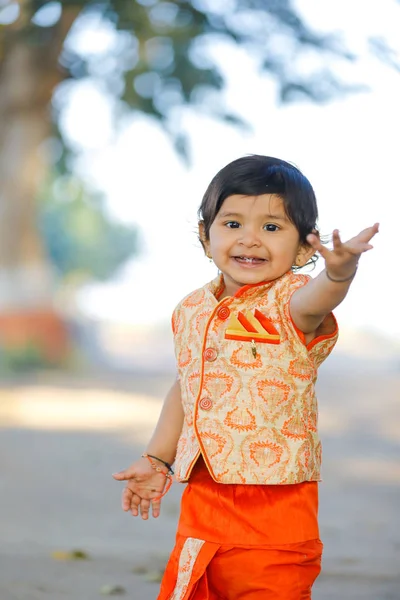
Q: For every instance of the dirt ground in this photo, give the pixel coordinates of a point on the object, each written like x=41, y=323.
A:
x=61, y=438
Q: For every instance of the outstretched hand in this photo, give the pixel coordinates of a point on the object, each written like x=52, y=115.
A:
x=144, y=488
x=341, y=261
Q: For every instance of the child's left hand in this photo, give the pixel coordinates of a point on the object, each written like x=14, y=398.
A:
x=144, y=488
x=341, y=261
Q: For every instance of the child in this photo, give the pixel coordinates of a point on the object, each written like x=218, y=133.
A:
x=240, y=421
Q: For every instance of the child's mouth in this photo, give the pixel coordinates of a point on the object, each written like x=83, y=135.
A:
x=249, y=260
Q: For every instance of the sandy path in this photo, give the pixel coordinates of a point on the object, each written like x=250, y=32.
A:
x=61, y=439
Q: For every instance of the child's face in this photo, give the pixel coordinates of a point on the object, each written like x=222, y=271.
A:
x=252, y=240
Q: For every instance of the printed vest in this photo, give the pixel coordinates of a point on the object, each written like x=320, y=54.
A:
x=247, y=383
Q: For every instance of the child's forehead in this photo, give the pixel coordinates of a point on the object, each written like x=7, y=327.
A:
x=263, y=203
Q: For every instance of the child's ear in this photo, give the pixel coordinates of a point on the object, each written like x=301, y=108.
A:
x=304, y=253
x=203, y=238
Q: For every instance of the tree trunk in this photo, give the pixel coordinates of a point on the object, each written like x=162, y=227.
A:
x=28, y=76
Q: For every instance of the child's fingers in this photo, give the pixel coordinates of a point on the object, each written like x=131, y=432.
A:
x=361, y=242
x=358, y=248
x=315, y=243
x=156, y=508
x=336, y=241
x=124, y=475
x=127, y=495
x=368, y=233
x=135, y=502
x=362, y=239
x=356, y=245
x=313, y=240
x=144, y=508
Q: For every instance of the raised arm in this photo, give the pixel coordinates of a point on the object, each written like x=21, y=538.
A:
x=311, y=303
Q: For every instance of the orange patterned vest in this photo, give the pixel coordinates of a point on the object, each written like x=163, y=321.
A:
x=247, y=382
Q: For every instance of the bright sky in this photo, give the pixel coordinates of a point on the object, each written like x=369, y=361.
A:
x=348, y=149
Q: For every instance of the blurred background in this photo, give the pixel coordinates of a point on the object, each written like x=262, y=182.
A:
x=114, y=117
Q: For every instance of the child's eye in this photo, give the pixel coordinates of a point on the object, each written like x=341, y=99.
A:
x=271, y=227
x=232, y=224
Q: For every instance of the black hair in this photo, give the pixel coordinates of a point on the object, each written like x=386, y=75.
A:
x=255, y=175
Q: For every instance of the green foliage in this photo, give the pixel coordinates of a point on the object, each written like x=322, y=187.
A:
x=80, y=238
x=24, y=359
x=159, y=57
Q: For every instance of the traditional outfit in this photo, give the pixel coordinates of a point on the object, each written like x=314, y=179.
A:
x=249, y=446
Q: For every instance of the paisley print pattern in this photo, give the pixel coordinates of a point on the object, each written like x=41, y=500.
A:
x=250, y=406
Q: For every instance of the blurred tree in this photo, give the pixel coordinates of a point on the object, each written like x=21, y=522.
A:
x=81, y=240
x=156, y=59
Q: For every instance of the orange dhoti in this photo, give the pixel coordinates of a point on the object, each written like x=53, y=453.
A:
x=244, y=541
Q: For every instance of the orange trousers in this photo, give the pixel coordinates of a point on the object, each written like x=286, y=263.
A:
x=244, y=541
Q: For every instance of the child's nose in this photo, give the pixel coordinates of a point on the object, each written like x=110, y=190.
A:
x=249, y=237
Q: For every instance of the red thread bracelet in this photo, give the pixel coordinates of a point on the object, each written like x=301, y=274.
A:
x=160, y=470
x=163, y=462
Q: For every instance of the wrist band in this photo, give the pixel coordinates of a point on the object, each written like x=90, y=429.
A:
x=159, y=470
x=163, y=462
x=340, y=280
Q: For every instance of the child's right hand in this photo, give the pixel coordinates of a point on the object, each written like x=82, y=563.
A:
x=145, y=486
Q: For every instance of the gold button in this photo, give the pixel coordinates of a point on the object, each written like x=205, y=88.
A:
x=223, y=313
x=206, y=403
x=210, y=354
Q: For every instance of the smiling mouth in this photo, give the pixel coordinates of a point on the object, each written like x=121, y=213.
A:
x=249, y=260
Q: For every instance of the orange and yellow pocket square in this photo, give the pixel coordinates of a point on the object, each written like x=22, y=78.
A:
x=249, y=327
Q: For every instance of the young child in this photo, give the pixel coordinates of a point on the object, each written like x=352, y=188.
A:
x=240, y=421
